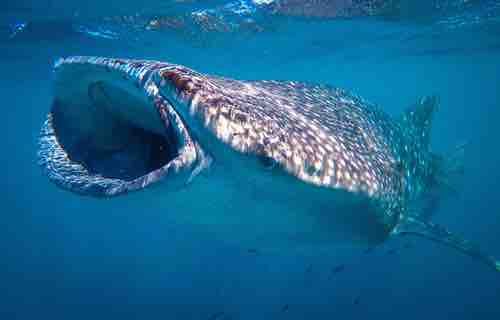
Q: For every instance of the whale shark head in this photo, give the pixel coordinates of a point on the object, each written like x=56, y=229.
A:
x=110, y=131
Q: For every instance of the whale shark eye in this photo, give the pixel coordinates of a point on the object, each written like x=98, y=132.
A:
x=267, y=162
x=400, y=169
x=310, y=169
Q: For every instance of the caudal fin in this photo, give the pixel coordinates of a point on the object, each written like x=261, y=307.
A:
x=411, y=225
x=435, y=177
x=447, y=171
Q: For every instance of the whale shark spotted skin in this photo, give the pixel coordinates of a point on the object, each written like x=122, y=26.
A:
x=281, y=163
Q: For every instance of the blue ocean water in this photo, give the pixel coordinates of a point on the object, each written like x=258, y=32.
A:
x=68, y=257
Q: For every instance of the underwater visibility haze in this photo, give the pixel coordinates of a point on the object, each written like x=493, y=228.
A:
x=251, y=159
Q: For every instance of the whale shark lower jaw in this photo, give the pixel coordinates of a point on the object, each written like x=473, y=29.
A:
x=110, y=131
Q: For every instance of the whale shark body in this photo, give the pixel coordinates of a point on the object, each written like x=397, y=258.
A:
x=270, y=163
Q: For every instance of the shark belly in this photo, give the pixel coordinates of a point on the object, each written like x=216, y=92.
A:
x=254, y=211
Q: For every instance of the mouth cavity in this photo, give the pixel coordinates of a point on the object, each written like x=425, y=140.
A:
x=115, y=144
x=105, y=136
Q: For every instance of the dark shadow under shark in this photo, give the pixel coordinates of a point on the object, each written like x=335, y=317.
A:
x=287, y=164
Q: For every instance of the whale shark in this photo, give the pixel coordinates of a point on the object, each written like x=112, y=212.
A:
x=332, y=8
x=271, y=164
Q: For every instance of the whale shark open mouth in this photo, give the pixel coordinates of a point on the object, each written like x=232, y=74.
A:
x=109, y=131
x=114, y=145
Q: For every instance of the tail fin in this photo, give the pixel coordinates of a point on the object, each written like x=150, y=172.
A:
x=447, y=171
x=444, y=172
x=439, y=178
x=434, y=176
x=410, y=225
x=442, y=180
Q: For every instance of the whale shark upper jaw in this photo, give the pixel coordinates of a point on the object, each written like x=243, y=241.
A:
x=110, y=131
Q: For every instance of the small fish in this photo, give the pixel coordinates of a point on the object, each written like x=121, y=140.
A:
x=369, y=250
x=356, y=301
x=408, y=245
x=338, y=269
x=253, y=251
x=392, y=251
x=309, y=268
x=217, y=316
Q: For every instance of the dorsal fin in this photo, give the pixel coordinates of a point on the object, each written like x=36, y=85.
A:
x=417, y=120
